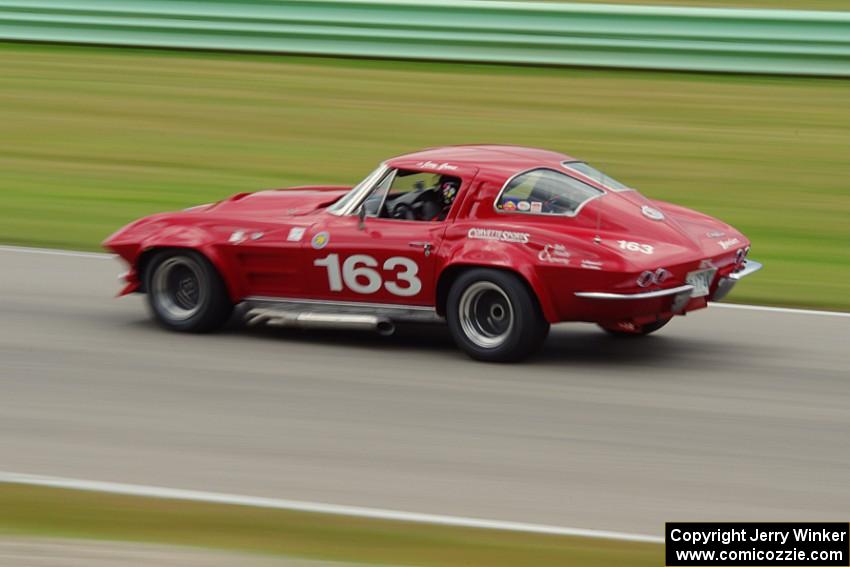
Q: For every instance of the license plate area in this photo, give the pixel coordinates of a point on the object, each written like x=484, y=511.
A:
x=701, y=280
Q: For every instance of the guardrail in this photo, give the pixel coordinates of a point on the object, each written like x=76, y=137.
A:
x=723, y=40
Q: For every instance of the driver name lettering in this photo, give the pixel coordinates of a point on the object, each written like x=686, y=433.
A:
x=437, y=166
x=498, y=235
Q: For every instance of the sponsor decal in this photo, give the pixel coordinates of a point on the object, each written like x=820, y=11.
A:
x=728, y=243
x=537, y=207
x=320, y=240
x=652, y=213
x=523, y=205
x=498, y=235
x=555, y=254
x=256, y=236
x=437, y=166
x=591, y=265
x=296, y=234
x=627, y=326
x=715, y=234
x=636, y=247
x=509, y=206
x=237, y=237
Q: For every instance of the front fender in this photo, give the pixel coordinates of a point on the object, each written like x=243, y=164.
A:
x=138, y=241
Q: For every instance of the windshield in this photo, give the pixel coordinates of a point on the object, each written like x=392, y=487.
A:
x=596, y=175
x=341, y=206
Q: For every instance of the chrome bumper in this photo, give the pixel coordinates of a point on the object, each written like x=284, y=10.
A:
x=725, y=285
x=640, y=295
x=681, y=295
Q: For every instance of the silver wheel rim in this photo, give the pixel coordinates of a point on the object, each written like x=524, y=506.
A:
x=486, y=314
x=177, y=289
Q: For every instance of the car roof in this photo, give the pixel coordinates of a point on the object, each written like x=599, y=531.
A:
x=489, y=156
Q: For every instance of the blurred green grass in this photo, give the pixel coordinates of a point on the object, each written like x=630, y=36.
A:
x=839, y=5
x=95, y=137
x=54, y=512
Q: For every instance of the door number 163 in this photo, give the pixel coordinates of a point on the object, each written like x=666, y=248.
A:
x=358, y=274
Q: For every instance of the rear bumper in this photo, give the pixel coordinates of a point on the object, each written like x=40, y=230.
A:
x=725, y=285
x=636, y=296
x=638, y=306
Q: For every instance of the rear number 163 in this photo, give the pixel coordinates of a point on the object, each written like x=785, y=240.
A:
x=358, y=274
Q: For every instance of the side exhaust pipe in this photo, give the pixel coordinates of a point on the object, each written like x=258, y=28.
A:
x=280, y=318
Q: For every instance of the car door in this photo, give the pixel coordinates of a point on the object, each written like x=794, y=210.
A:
x=375, y=259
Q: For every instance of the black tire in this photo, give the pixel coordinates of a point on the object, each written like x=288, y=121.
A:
x=186, y=293
x=642, y=331
x=494, y=317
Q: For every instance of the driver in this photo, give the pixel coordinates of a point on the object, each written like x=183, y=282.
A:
x=448, y=188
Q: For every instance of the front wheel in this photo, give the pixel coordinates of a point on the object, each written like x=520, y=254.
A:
x=493, y=316
x=186, y=293
x=632, y=330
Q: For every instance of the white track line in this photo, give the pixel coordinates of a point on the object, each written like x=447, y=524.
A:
x=99, y=255
x=781, y=310
x=314, y=507
x=52, y=252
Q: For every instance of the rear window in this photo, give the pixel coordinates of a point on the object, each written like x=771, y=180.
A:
x=547, y=192
x=596, y=175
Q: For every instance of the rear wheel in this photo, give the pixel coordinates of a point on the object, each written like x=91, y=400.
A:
x=631, y=330
x=186, y=293
x=494, y=317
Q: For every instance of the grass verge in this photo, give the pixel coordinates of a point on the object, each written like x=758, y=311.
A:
x=837, y=5
x=95, y=137
x=54, y=512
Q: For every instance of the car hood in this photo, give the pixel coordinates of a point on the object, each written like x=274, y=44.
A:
x=277, y=203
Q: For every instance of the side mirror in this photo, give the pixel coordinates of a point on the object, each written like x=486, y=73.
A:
x=361, y=217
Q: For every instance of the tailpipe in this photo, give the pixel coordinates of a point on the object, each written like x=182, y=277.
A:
x=385, y=327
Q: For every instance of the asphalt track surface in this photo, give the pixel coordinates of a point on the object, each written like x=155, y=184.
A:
x=723, y=415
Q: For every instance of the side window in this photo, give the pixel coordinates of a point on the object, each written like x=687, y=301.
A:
x=412, y=195
x=545, y=191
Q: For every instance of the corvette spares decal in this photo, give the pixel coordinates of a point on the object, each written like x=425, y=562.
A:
x=729, y=243
x=296, y=233
x=554, y=254
x=498, y=235
x=320, y=240
x=591, y=265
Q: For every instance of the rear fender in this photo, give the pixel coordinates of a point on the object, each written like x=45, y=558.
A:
x=500, y=256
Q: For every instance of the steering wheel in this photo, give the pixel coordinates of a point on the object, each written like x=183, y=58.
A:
x=402, y=211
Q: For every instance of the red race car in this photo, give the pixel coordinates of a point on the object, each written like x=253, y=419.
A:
x=497, y=241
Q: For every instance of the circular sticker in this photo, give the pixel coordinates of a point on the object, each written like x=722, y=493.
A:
x=523, y=205
x=652, y=213
x=320, y=240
